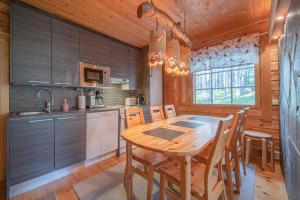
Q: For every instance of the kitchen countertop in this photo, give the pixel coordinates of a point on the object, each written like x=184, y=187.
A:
x=56, y=112
x=72, y=111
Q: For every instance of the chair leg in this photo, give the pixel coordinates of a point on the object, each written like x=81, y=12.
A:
x=220, y=177
x=264, y=153
x=248, y=149
x=229, y=179
x=237, y=178
x=272, y=155
x=243, y=153
x=224, y=195
x=150, y=172
x=125, y=178
x=162, y=187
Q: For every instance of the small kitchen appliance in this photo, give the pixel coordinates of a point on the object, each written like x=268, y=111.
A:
x=99, y=99
x=130, y=101
x=141, y=100
x=92, y=75
x=90, y=99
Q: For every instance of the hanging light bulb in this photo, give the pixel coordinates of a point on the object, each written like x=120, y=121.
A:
x=157, y=47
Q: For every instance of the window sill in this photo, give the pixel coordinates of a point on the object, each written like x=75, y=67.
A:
x=224, y=105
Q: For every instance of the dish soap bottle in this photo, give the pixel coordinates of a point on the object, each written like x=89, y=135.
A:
x=65, y=105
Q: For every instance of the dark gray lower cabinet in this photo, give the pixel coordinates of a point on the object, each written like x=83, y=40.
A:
x=31, y=148
x=70, y=140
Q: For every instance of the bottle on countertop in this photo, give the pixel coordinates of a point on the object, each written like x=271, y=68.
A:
x=65, y=106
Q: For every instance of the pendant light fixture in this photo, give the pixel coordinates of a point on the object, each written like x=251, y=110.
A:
x=173, y=55
x=157, y=47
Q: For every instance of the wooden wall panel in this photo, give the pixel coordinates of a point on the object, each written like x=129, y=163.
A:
x=4, y=87
x=256, y=121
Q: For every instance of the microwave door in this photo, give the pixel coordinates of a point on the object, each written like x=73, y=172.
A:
x=93, y=76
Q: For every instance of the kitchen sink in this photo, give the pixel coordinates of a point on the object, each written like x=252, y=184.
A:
x=33, y=113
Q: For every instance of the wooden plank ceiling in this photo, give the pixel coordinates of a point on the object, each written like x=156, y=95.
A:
x=205, y=19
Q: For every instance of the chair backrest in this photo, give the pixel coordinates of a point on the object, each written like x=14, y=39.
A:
x=234, y=130
x=134, y=117
x=243, y=124
x=170, y=111
x=216, y=155
x=156, y=113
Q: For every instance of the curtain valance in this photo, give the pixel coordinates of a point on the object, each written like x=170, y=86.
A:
x=243, y=50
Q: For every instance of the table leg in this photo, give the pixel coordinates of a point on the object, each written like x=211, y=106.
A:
x=186, y=177
x=128, y=174
x=264, y=153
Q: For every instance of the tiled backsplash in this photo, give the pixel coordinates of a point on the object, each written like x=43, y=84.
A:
x=23, y=98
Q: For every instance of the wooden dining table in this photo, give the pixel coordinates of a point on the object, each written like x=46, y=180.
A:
x=182, y=137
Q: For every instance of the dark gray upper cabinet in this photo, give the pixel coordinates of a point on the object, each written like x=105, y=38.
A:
x=135, y=68
x=119, y=67
x=70, y=139
x=65, y=54
x=94, y=48
x=31, y=148
x=31, y=47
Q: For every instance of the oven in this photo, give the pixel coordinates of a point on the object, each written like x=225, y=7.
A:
x=92, y=75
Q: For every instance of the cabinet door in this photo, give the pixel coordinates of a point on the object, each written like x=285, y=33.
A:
x=135, y=68
x=31, y=47
x=31, y=148
x=70, y=140
x=65, y=54
x=119, y=60
x=94, y=48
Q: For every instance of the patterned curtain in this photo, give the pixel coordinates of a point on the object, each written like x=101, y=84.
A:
x=244, y=50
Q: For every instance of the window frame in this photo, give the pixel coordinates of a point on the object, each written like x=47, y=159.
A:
x=256, y=88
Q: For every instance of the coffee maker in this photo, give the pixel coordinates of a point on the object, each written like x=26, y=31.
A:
x=90, y=99
x=99, y=102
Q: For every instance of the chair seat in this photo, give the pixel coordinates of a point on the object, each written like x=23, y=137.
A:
x=258, y=134
x=172, y=170
x=148, y=157
x=204, y=154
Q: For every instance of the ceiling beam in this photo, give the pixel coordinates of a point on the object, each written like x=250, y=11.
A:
x=150, y=10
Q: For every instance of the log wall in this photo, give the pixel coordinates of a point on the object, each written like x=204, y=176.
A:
x=290, y=100
x=264, y=116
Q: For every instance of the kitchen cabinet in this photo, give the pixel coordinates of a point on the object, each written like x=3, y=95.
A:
x=70, y=139
x=94, y=48
x=119, y=60
x=31, y=148
x=135, y=57
x=101, y=133
x=31, y=47
x=65, y=54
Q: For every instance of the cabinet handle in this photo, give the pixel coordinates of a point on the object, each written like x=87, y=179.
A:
x=62, y=118
x=45, y=82
x=62, y=83
x=39, y=120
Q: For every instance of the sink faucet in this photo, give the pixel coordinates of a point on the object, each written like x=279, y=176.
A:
x=48, y=105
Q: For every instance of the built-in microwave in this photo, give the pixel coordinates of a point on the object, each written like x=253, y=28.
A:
x=92, y=75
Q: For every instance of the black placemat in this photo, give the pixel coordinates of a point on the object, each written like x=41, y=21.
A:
x=187, y=124
x=202, y=118
x=164, y=133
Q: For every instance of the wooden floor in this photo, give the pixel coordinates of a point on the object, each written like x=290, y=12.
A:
x=268, y=185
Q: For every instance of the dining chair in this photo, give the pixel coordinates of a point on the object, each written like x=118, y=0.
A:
x=207, y=179
x=170, y=111
x=241, y=140
x=156, y=113
x=230, y=160
x=149, y=159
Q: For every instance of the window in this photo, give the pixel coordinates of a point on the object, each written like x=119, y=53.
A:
x=229, y=85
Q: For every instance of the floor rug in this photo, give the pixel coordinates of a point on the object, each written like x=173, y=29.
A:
x=108, y=185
